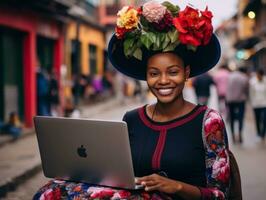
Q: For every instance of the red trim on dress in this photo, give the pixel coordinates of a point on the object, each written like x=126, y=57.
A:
x=156, y=127
x=156, y=158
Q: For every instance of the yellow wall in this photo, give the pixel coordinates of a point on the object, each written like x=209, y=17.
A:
x=87, y=35
x=245, y=25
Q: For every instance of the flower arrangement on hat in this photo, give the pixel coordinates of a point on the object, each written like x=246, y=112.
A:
x=162, y=27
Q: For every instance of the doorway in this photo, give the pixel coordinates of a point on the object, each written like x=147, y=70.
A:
x=11, y=73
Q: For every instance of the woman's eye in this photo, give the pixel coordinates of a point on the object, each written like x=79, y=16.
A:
x=173, y=73
x=152, y=74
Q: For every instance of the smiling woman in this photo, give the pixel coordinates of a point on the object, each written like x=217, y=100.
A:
x=165, y=46
x=166, y=76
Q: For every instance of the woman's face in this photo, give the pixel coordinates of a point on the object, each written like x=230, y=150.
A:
x=166, y=76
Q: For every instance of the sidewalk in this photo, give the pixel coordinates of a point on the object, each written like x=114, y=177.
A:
x=5, y=139
x=20, y=160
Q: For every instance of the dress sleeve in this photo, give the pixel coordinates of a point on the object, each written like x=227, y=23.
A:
x=125, y=117
x=216, y=157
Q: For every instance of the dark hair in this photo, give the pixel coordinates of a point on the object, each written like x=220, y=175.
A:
x=224, y=66
x=260, y=71
x=243, y=69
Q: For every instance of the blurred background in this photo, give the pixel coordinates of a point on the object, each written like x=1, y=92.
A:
x=53, y=62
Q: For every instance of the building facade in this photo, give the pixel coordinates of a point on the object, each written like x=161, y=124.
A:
x=25, y=38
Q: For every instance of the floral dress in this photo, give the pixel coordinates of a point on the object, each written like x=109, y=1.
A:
x=209, y=170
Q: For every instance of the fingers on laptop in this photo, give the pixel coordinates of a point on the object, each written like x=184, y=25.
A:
x=150, y=183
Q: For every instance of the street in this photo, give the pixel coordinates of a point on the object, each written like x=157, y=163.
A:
x=250, y=156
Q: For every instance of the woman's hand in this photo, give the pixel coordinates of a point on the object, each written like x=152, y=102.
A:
x=159, y=183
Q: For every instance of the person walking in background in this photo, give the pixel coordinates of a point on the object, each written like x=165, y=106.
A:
x=53, y=95
x=42, y=93
x=221, y=78
x=236, y=96
x=202, y=86
x=257, y=91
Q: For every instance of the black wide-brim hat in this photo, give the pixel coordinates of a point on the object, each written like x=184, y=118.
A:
x=200, y=61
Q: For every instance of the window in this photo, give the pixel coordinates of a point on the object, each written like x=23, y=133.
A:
x=93, y=59
x=75, y=56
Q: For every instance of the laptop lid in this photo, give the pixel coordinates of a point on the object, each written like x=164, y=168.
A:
x=91, y=151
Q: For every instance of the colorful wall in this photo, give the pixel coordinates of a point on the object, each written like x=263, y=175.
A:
x=32, y=25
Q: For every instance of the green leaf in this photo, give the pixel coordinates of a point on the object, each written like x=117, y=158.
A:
x=165, y=42
x=173, y=35
x=138, y=54
x=162, y=37
x=128, y=44
x=145, y=40
x=152, y=36
x=192, y=47
x=172, y=8
x=171, y=46
x=158, y=41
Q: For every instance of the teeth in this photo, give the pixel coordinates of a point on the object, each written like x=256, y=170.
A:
x=165, y=91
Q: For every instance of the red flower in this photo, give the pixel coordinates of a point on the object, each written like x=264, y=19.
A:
x=221, y=168
x=57, y=194
x=145, y=195
x=213, y=123
x=120, y=32
x=165, y=24
x=194, y=29
x=77, y=189
x=213, y=146
x=106, y=193
x=139, y=10
x=124, y=194
x=206, y=14
x=224, y=174
x=51, y=194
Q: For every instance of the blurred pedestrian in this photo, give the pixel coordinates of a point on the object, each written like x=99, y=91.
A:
x=79, y=84
x=236, y=96
x=221, y=78
x=202, y=85
x=53, y=95
x=257, y=88
x=42, y=93
x=97, y=85
x=13, y=127
x=107, y=83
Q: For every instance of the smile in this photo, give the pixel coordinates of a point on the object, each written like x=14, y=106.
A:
x=165, y=92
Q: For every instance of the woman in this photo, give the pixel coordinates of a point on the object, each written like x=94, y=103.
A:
x=168, y=153
x=257, y=92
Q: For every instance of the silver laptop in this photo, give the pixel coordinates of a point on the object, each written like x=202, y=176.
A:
x=91, y=151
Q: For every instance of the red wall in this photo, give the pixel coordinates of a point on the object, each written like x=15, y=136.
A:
x=30, y=23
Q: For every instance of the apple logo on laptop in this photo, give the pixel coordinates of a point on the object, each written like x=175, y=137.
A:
x=82, y=151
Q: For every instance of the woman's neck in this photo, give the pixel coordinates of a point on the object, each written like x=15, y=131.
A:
x=172, y=110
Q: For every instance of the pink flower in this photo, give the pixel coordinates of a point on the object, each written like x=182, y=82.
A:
x=47, y=195
x=221, y=170
x=102, y=193
x=153, y=11
x=213, y=123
